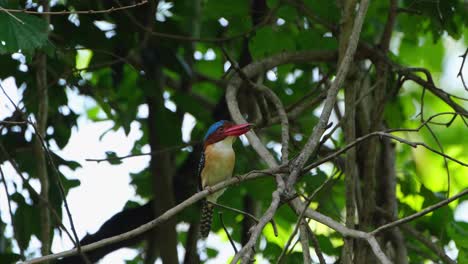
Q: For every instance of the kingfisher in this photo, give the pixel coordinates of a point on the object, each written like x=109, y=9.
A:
x=217, y=164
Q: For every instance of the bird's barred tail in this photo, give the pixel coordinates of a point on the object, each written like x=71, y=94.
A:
x=206, y=218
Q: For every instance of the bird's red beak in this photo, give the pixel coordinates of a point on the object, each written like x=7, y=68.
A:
x=237, y=130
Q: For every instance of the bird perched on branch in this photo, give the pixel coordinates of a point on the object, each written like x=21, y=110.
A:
x=216, y=164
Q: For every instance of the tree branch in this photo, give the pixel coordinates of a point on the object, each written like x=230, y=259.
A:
x=316, y=244
x=7, y=194
x=299, y=206
x=303, y=235
x=79, y=12
x=39, y=153
x=227, y=232
x=313, y=141
x=420, y=237
x=246, y=251
x=460, y=72
x=420, y=213
x=162, y=218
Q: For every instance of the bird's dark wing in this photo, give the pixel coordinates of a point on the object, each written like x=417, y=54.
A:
x=201, y=164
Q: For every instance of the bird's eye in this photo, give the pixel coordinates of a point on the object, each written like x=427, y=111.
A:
x=221, y=129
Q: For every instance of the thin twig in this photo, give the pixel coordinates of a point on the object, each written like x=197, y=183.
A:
x=79, y=12
x=420, y=213
x=7, y=194
x=8, y=11
x=246, y=251
x=460, y=72
x=439, y=251
x=42, y=199
x=251, y=216
x=298, y=206
x=264, y=22
x=33, y=192
x=316, y=244
x=168, y=149
x=61, y=191
x=447, y=170
x=301, y=215
x=227, y=232
x=380, y=134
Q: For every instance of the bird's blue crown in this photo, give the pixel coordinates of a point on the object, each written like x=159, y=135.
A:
x=213, y=128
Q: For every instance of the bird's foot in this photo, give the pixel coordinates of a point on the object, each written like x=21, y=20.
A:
x=238, y=177
x=209, y=189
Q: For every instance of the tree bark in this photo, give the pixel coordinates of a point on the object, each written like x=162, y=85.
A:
x=39, y=152
x=161, y=166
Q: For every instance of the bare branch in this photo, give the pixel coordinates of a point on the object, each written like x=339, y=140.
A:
x=162, y=218
x=151, y=32
x=83, y=12
x=7, y=194
x=316, y=244
x=246, y=251
x=39, y=155
x=420, y=237
x=8, y=11
x=313, y=141
x=460, y=72
x=299, y=206
x=303, y=235
x=391, y=18
x=33, y=192
x=420, y=213
x=259, y=67
x=447, y=170
x=273, y=224
x=384, y=134
x=61, y=189
x=275, y=100
x=301, y=216
x=227, y=232
x=376, y=55
x=168, y=149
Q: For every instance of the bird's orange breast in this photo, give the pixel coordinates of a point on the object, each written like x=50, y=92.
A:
x=219, y=164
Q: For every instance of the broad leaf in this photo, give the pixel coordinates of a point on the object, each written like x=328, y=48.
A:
x=21, y=32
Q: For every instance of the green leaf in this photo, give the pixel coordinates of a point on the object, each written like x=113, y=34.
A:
x=268, y=41
x=112, y=158
x=458, y=231
x=311, y=39
x=462, y=255
x=272, y=251
x=393, y=113
x=9, y=258
x=143, y=183
x=324, y=9
x=212, y=253
x=226, y=8
x=326, y=245
x=24, y=229
x=422, y=52
x=20, y=31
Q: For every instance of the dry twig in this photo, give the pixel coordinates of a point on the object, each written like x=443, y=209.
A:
x=78, y=12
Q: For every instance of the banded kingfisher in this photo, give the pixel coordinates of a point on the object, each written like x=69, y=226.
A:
x=217, y=164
